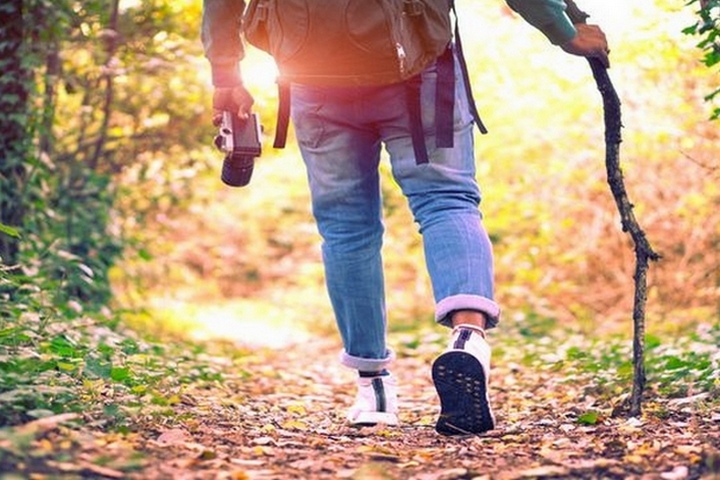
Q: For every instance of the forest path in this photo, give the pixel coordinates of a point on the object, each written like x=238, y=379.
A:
x=280, y=414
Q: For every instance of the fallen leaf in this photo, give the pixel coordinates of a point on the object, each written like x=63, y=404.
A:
x=104, y=471
x=47, y=423
x=295, y=425
x=678, y=473
x=543, y=471
x=173, y=437
x=589, y=418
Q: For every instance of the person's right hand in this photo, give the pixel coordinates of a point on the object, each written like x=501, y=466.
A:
x=589, y=41
x=231, y=99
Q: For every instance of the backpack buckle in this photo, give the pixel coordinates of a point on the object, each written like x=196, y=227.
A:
x=413, y=8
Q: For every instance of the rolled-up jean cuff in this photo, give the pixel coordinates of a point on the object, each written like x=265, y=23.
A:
x=467, y=302
x=366, y=364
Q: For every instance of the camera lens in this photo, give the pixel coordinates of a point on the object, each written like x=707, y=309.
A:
x=219, y=142
x=237, y=170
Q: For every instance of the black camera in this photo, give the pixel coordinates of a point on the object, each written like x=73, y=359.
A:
x=240, y=140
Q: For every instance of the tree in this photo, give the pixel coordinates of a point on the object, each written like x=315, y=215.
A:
x=13, y=124
x=708, y=29
x=96, y=99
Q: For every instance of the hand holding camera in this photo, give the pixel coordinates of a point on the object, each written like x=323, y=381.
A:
x=240, y=140
x=239, y=134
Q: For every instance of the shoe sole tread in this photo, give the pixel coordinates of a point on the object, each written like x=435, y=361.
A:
x=459, y=379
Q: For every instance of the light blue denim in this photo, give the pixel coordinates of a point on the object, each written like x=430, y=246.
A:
x=340, y=132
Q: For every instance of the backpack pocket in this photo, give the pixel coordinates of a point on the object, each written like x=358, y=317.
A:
x=368, y=25
x=430, y=21
x=410, y=33
x=280, y=30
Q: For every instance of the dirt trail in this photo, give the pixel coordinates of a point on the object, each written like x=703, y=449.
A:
x=280, y=415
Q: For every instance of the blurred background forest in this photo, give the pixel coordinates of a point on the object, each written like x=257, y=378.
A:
x=112, y=202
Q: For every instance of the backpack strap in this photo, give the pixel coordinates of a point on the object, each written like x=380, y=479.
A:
x=412, y=88
x=445, y=99
x=465, y=74
x=283, y=114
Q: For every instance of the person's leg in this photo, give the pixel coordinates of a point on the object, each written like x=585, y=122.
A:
x=444, y=198
x=341, y=157
x=341, y=154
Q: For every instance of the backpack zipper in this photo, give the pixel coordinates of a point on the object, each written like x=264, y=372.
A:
x=401, y=57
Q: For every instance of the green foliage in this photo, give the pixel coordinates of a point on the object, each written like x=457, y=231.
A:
x=9, y=231
x=675, y=367
x=51, y=365
x=114, y=111
x=589, y=418
x=108, y=139
x=57, y=199
x=708, y=29
x=69, y=241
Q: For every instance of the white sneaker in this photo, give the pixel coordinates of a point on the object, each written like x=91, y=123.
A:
x=460, y=375
x=376, y=402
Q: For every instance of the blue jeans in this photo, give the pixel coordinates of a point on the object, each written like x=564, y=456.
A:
x=340, y=132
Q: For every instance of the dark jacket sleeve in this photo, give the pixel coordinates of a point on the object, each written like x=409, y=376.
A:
x=221, y=40
x=548, y=16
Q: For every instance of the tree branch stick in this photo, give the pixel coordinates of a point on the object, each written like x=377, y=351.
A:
x=643, y=251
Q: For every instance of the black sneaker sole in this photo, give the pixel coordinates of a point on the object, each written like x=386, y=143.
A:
x=460, y=383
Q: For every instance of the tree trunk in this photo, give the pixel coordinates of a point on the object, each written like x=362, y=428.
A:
x=13, y=125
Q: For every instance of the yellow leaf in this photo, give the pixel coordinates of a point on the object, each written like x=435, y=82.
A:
x=45, y=445
x=294, y=425
x=634, y=459
x=296, y=408
x=261, y=450
x=688, y=449
x=139, y=389
x=376, y=449
x=66, y=367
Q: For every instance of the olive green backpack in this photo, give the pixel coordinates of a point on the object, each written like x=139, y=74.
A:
x=360, y=42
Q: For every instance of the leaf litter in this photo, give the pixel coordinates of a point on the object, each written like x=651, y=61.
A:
x=277, y=414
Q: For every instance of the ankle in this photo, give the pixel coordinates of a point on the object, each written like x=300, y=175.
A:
x=470, y=319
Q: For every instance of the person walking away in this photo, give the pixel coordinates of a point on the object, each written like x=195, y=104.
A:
x=340, y=130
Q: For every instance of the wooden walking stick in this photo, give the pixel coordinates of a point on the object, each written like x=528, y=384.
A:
x=643, y=251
